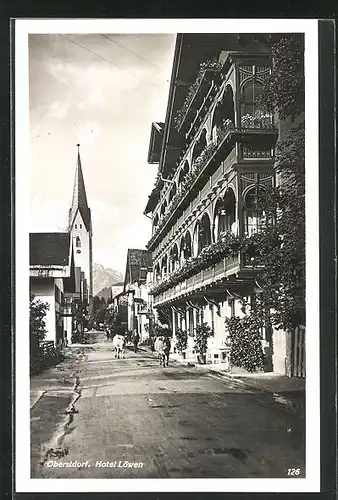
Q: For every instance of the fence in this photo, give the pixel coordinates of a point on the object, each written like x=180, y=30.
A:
x=44, y=356
x=47, y=348
x=297, y=365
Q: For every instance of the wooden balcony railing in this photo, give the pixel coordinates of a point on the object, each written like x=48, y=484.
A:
x=204, y=277
x=226, y=134
x=196, y=91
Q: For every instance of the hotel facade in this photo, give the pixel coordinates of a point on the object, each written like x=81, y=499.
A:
x=214, y=152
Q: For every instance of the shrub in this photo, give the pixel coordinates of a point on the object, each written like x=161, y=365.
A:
x=203, y=332
x=181, y=340
x=246, y=342
x=37, y=325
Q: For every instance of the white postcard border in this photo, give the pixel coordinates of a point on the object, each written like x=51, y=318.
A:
x=24, y=27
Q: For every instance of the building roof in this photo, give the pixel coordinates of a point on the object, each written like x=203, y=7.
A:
x=155, y=144
x=79, y=200
x=49, y=249
x=191, y=50
x=152, y=200
x=139, y=261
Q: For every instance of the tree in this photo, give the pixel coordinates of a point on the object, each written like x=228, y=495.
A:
x=101, y=314
x=164, y=316
x=161, y=331
x=118, y=323
x=37, y=324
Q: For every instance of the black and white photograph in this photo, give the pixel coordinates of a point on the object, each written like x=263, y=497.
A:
x=166, y=208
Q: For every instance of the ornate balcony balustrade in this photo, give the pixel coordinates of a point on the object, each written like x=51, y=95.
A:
x=230, y=248
x=261, y=121
x=225, y=132
x=206, y=68
x=225, y=266
x=254, y=153
x=230, y=255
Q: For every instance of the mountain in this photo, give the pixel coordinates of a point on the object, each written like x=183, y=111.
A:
x=104, y=277
x=105, y=293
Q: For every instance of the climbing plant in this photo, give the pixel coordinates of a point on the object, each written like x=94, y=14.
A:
x=283, y=91
x=280, y=245
x=277, y=251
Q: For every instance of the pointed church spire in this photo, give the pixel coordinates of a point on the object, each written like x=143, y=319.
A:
x=79, y=200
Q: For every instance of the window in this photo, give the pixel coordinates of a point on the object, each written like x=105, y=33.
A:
x=80, y=226
x=75, y=226
x=78, y=242
x=253, y=217
x=204, y=233
x=250, y=95
x=57, y=294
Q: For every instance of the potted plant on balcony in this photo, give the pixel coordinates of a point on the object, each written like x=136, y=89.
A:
x=181, y=342
x=203, y=332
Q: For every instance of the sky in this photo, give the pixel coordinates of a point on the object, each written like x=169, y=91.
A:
x=102, y=91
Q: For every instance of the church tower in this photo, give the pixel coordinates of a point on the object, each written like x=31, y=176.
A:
x=80, y=227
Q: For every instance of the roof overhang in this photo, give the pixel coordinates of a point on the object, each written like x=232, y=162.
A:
x=39, y=271
x=155, y=143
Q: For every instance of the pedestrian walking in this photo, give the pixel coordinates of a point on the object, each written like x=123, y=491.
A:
x=136, y=339
x=166, y=350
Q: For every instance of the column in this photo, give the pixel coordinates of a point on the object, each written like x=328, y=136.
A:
x=194, y=315
x=174, y=315
x=131, y=310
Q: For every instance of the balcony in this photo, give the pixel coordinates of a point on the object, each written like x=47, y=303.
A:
x=203, y=278
x=196, y=92
x=227, y=135
x=228, y=256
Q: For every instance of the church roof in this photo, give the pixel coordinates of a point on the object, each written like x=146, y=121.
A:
x=139, y=261
x=49, y=249
x=79, y=200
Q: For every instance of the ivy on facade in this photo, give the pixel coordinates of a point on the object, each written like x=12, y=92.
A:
x=280, y=245
x=283, y=90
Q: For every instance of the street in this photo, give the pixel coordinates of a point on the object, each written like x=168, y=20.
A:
x=99, y=417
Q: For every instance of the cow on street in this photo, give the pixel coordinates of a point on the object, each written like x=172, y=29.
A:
x=119, y=343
